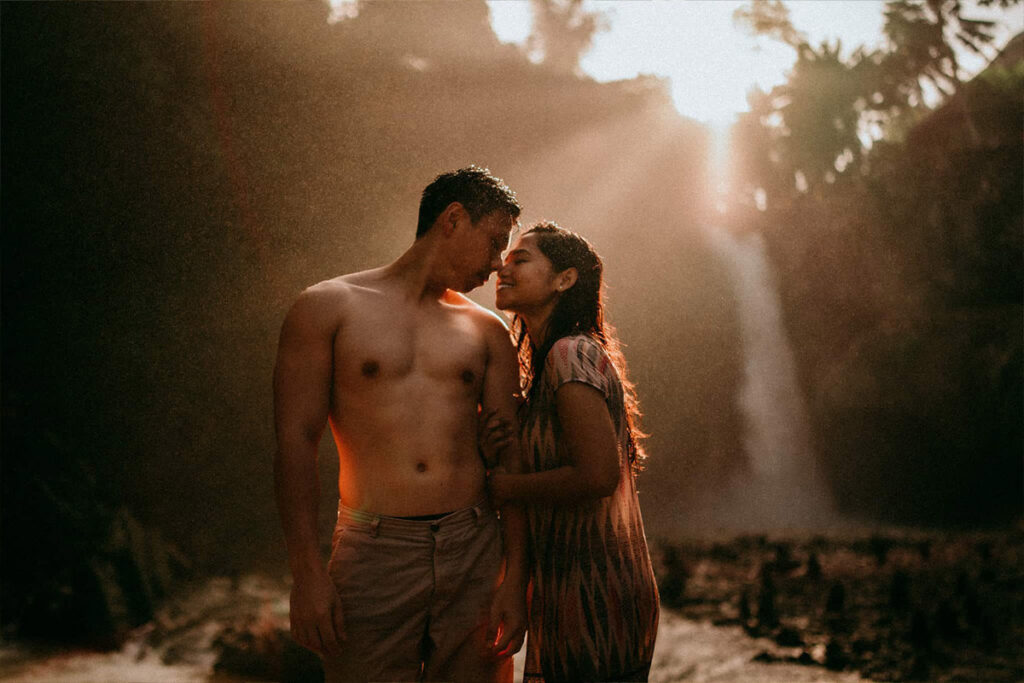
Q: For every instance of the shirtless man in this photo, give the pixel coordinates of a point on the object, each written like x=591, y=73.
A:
x=399, y=363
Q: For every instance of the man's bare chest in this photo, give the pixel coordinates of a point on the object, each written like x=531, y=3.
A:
x=379, y=346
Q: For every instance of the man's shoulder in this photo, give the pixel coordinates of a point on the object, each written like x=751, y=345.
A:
x=322, y=295
x=322, y=304
x=338, y=290
x=487, y=319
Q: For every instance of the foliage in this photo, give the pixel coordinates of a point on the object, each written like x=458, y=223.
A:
x=563, y=32
x=900, y=256
x=770, y=18
x=822, y=121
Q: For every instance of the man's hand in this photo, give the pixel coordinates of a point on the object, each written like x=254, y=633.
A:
x=316, y=617
x=507, y=627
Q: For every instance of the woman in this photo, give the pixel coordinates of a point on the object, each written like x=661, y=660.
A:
x=594, y=603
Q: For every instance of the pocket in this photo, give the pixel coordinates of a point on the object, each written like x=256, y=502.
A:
x=380, y=580
x=344, y=542
x=482, y=560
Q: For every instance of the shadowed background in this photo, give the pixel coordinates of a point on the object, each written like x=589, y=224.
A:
x=174, y=175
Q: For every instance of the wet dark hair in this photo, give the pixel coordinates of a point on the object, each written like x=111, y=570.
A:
x=473, y=187
x=579, y=310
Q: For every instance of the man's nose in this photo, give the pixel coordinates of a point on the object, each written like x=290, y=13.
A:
x=502, y=269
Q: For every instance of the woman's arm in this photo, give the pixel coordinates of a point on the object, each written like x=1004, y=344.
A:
x=593, y=454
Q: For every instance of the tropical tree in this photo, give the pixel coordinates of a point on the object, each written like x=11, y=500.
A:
x=831, y=108
x=562, y=33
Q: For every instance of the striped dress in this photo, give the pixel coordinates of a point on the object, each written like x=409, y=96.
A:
x=594, y=605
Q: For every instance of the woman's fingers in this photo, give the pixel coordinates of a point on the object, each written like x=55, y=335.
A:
x=484, y=418
x=497, y=422
x=495, y=436
x=498, y=434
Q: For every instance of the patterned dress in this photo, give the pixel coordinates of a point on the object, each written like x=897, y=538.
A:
x=594, y=606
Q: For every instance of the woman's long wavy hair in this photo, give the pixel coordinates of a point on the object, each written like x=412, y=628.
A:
x=579, y=310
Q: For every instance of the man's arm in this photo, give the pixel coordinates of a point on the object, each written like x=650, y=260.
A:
x=501, y=387
x=592, y=471
x=302, y=389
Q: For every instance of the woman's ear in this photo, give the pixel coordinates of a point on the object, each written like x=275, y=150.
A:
x=566, y=279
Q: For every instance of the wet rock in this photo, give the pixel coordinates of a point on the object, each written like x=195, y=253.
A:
x=872, y=617
x=767, y=614
x=864, y=646
x=985, y=551
x=899, y=591
x=724, y=552
x=920, y=669
x=97, y=598
x=988, y=633
x=111, y=615
x=880, y=547
x=836, y=601
x=267, y=655
x=299, y=665
x=784, y=561
x=789, y=637
x=837, y=620
x=972, y=609
x=947, y=621
x=963, y=584
x=672, y=586
x=920, y=635
x=836, y=658
x=813, y=567
x=746, y=614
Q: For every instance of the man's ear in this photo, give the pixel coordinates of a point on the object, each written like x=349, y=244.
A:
x=450, y=217
x=566, y=279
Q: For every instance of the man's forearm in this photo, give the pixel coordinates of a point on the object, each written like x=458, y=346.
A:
x=513, y=516
x=513, y=519
x=297, y=491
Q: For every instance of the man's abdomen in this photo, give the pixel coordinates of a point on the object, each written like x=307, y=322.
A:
x=413, y=463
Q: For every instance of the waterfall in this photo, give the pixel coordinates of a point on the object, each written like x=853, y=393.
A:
x=782, y=485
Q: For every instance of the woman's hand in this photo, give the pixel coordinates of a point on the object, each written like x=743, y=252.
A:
x=497, y=486
x=494, y=435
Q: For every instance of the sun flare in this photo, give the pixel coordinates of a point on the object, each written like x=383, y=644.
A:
x=712, y=63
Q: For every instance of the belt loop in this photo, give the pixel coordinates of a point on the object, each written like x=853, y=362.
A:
x=478, y=512
x=375, y=527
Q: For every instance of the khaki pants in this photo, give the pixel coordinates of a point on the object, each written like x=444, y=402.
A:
x=412, y=592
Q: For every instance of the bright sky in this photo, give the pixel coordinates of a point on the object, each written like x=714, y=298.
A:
x=711, y=62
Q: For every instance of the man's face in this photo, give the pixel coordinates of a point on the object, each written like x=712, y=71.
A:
x=480, y=249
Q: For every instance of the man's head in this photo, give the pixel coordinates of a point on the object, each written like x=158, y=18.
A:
x=473, y=213
x=479, y=193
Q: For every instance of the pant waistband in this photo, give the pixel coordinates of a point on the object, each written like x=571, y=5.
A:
x=378, y=524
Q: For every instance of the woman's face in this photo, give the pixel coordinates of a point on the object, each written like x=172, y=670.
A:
x=526, y=280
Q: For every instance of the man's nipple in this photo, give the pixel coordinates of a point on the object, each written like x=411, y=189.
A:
x=370, y=369
x=468, y=376
x=421, y=466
